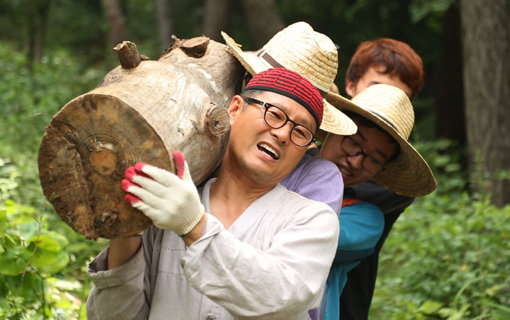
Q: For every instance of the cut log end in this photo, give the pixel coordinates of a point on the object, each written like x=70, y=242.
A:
x=194, y=48
x=82, y=159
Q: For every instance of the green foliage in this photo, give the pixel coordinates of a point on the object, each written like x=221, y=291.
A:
x=30, y=98
x=41, y=264
x=420, y=9
x=447, y=256
x=42, y=260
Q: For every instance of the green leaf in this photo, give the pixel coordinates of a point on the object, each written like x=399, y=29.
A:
x=59, y=262
x=45, y=243
x=430, y=307
x=14, y=261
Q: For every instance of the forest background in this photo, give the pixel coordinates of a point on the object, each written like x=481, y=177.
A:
x=447, y=256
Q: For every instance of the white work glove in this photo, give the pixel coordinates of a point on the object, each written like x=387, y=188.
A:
x=170, y=201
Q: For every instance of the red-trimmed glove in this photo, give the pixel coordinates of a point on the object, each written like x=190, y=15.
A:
x=170, y=201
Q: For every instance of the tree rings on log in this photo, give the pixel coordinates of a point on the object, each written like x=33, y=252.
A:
x=85, y=152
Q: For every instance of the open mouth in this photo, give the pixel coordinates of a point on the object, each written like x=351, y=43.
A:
x=344, y=171
x=268, y=150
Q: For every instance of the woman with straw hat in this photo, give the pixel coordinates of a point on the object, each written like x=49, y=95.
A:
x=379, y=151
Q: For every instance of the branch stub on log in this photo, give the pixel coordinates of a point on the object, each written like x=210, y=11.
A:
x=128, y=54
x=217, y=120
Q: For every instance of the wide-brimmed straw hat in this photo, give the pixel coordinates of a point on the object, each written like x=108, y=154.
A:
x=390, y=108
x=313, y=55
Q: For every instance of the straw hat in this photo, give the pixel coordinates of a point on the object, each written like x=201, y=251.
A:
x=390, y=108
x=312, y=54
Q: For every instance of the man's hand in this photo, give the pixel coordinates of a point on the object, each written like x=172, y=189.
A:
x=170, y=201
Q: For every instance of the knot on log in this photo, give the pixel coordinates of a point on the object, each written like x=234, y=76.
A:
x=217, y=120
x=128, y=54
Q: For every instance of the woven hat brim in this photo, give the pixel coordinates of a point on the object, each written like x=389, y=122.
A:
x=409, y=174
x=337, y=122
x=333, y=120
x=248, y=59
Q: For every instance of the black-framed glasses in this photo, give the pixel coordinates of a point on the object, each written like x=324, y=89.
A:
x=277, y=118
x=353, y=149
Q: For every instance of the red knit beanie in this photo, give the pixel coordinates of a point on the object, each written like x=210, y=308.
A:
x=290, y=84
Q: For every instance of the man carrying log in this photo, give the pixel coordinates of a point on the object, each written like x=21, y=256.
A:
x=242, y=246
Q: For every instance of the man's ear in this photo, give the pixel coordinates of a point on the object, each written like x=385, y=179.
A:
x=235, y=107
x=350, y=88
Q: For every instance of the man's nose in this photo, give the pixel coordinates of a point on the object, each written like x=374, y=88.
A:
x=356, y=161
x=282, y=134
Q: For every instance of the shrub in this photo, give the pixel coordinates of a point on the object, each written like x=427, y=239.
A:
x=42, y=271
x=42, y=260
x=447, y=256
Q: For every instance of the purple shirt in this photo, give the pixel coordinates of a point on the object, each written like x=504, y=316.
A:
x=317, y=179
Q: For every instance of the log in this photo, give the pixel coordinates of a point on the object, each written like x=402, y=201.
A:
x=138, y=113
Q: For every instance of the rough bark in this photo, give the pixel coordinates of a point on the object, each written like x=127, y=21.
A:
x=216, y=18
x=164, y=17
x=486, y=52
x=264, y=20
x=139, y=114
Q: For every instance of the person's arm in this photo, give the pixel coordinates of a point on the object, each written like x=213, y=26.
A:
x=121, y=292
x=196, y=233
x=361, y=226
x=122, y=250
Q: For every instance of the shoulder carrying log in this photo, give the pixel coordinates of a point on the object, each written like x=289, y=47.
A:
x=141, y=113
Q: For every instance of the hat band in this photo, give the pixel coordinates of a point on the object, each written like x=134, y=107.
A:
x=263, y=54
x=384, y=119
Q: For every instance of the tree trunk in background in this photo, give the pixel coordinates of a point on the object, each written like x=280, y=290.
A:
x=264, y=20
x=164, y=17
x=216, y=18
x=115, y=19
x=450, y=119
x=486, y=52
x=37, y=18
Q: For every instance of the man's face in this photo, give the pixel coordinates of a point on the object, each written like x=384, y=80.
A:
x=374, y=75
x=361, y=156
x=265, y=154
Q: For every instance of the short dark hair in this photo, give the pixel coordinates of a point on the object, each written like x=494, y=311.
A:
x=396, y=57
